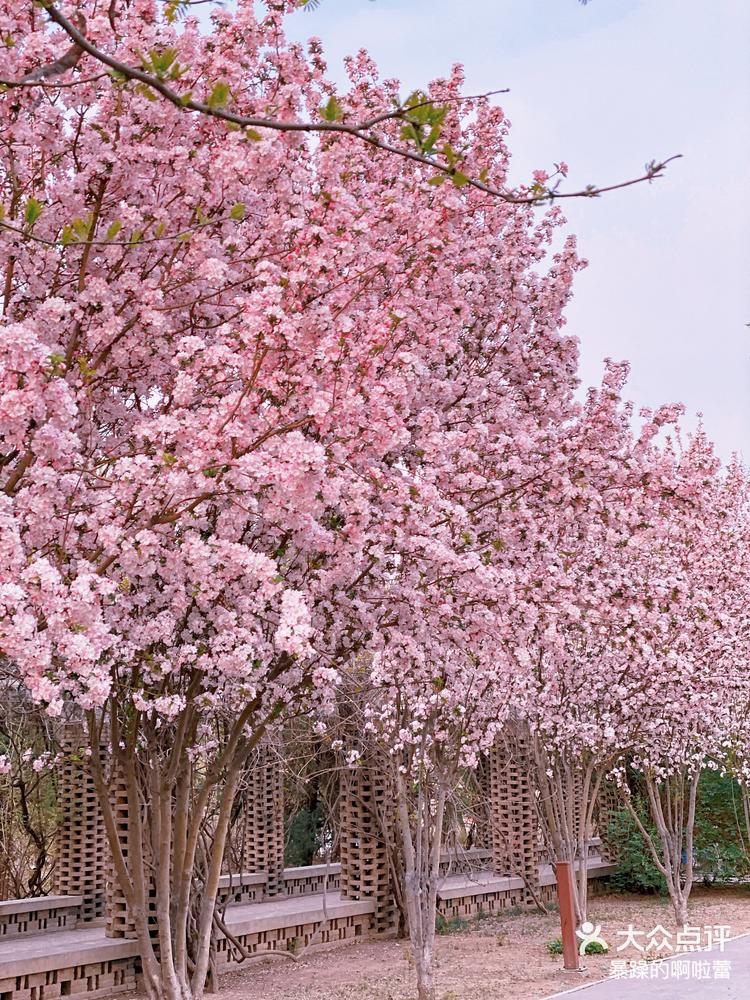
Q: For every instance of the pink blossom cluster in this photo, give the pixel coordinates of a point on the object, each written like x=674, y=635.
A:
x=272, y=403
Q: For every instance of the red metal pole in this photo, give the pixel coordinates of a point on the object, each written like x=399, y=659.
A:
x=571, y=958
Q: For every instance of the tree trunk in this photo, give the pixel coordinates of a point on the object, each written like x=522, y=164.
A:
x=672, y=804
x=567, y=799
x=425, y=983
x=168, y=819
x=421, y=829
x=681, y=911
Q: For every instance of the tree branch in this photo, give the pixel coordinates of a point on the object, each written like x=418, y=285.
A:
x=361, y=131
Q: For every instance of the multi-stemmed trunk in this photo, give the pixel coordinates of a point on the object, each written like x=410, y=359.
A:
x=745, y=841
x=179, y=807
x=672, y=802
x=420, y=826
x=568, y=791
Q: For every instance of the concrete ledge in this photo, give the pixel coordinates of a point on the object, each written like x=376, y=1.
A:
x=254, y=918
x=61, y=949
x=596, y=868
x=312, y=871
x=457, y=886
x=35, y=904
x=238, y=879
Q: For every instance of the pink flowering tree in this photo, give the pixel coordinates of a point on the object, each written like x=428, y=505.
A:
x=625, y=621
x=733, y=679
x=262, y=401
x=476, y=471
x=693, y=623
x=568, y=633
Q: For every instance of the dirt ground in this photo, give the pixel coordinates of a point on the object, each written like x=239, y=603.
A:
x=504, y=957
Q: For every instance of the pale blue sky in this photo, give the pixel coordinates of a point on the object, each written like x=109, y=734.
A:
x=607, y=87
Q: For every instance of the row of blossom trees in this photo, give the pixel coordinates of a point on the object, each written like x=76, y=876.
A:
x=275, y=408
x=613, y=647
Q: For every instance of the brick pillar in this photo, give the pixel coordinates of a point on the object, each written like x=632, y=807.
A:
x=607, y=804
x=82, y=849
x=482, y=805
x=366, y=823
x=119, y=923
x=514, y=820
x=260, y=827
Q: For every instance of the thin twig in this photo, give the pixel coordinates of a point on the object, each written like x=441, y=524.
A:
x=361, y=131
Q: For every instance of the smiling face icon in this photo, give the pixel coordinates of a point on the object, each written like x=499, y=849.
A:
x=590, y=934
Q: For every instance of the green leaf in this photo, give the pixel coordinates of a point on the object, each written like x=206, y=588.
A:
x=450, y=154
x=238, y=212
x=437, y=180
x=82, y=228
x=67, y=236
x=186, y=98
x=34, y=209
x=114, y=229
x=428, y=145
x=160, y=230
x=146, y=92
x=162, y=60
x=57, y=364
x=410, y=133
x=331, y=111
x=171, y=10
x=86, y=370
x=253, y=135
x=218, y=96
x=459, y=179
x=136, y=237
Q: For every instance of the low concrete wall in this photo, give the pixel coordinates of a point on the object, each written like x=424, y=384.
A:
x=38, y=914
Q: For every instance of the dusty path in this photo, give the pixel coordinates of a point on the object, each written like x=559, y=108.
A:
x=690, y=978
x=504, y=957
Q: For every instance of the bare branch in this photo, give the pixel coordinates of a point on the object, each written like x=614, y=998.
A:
x=361, y=131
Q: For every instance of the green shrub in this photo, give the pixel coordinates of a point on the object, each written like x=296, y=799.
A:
x=453, y=926
x=636, y=871
x=592, y=948
x=719, y=856
x=718, y=852
x=596, y=948
x=303, y=836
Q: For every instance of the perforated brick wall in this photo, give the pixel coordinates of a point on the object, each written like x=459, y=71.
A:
x=82, y=849
x=515, y=836
x=260, y=829
x=366, y=826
